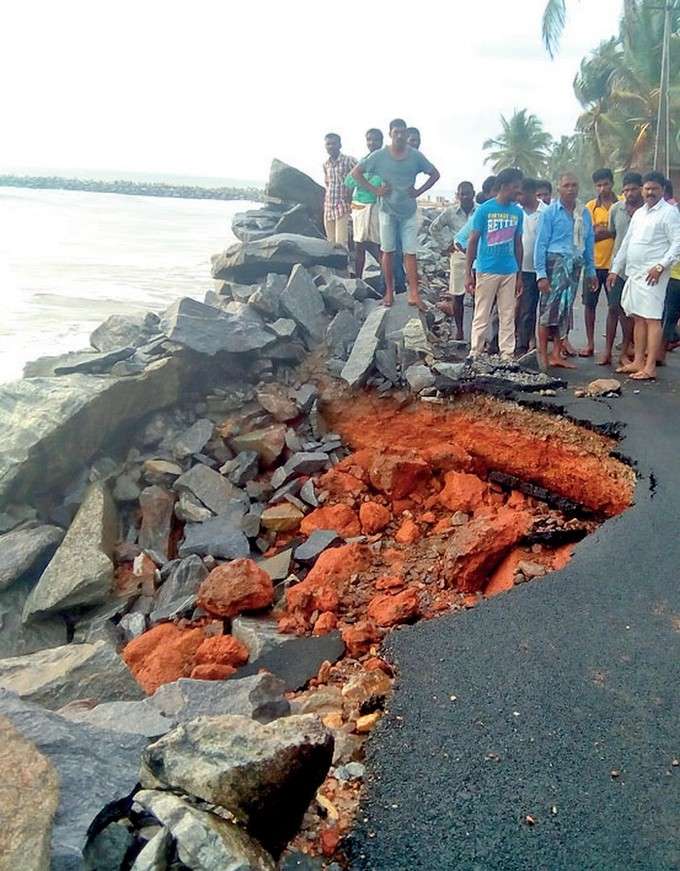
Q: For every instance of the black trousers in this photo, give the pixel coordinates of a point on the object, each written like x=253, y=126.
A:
x=671, y=310
x=525, y=320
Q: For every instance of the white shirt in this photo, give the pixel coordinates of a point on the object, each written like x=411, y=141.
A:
x=653, y=238
x=529, y=233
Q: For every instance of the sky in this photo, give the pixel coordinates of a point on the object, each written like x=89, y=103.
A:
x=220, y=88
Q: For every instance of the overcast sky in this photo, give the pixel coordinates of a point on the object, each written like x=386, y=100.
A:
x=219, y=87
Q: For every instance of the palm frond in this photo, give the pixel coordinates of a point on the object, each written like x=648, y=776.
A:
x=554, y=18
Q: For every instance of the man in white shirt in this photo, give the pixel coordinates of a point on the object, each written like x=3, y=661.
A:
x=649, y=249
x=525, y=315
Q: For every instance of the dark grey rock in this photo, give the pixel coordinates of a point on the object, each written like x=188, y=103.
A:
x=301, y=463
x=363, y=351
x=266, y=298
x=250, y=522
x=177, y=594
x=283, y=328
x=315, y=545
x=96, y=364
x=265, y=775
x=60, y=675
x=298, y=220
x=132, y=626
x=81, y=571
x=208, y=330
x=193, y=439
x=259, y=696
x=268, y=442
x=154, y=855
x=298, y=661
x=219, y=537
x=211, y=488
x=124, y=331
x=18, y=638
x=95, y=767
x=289, y=185
x=308, y=494
x=452, y=372
x=126, y=488
x=419, y=377
x=305, y=397
x=302, y=302
x=131, y=718
x=157, y=506
x=28, y=549
x=68, y=419
x=243, y=468
x=15, y=516
x=106, y=850
x=387, y=363
x=336, y=296
x=249, y=261
x=342, y=333
x=203, y=840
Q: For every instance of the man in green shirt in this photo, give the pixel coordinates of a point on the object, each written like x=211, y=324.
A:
x=365, y=226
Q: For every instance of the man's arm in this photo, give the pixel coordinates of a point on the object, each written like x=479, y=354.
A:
x=470, y=257
x=619, y=264
x=589, y=245
x=441, y=223
x=541, y=246
x=519, y=256
x=362, y=181
x=672, y=224
x=433, y=178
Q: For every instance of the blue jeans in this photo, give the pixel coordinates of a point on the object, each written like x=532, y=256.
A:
x=394, y=229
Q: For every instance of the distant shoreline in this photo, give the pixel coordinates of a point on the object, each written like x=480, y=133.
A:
x=132, y=188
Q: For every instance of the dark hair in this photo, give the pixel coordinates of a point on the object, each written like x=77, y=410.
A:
x=333, y=136
x=603, y=175
x=509, y=176
x=488, y=184
x=654, y=176
x=415, y=130
x=374, y=130
x=464, y=183
x=543, y=183
x=668, y=187
x=529, y=185
x=397, y=122
x=632, y=178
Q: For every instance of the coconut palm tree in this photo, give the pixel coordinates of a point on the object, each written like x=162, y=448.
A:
x=554, y=18
x=522, y=142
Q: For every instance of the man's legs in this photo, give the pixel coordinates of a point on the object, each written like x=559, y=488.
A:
x=590, y=301
x=408, y=232
x=458, y=313
x=654, y=329
x=506, y=316
x=329, y=227
x=457, y=290
x=388, y=234
x=616, y=316
x=360, y=259
x=640, y=340
x=525, y=323
x=399, y=274
x=485, y=294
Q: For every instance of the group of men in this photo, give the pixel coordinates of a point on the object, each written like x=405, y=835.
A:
x=520, y=253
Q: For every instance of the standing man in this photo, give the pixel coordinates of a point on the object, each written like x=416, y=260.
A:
x=544, y=192
x=365, y=225
x=487, y=191
x=336, y=205
x=398, y=166
x=564, y=246
x=525, y=320
x=443, y=230
x=651, y=246
x=496, y=244
x=619, y=219
x=413, y=137
x=603, y=180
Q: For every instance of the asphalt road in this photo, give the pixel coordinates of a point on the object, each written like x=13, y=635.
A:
x=555, y=703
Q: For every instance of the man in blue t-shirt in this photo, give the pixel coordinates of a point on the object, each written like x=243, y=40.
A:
x=398, y=165
x=496, y=244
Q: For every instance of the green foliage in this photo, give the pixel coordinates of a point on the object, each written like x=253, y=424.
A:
x=522, y=142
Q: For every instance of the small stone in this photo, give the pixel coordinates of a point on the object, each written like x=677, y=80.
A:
x=308, y=494
x=373, y=517
x=419, y=377
x=367, y=723
x=219, y=537
x=24, y=550
x=531, y=569
x=191, y=510
x=157, y=507
x=603, y=386
x=193, y=439
x=161, y=471
x=281, y=518
x=243, y=468
x=267, y=442
x=284, y=328
x=305, y=397
x=132, y=625
x=391, y=610
x=235, y=587
x=317, y=542
x=214, y=491
x=277, y=567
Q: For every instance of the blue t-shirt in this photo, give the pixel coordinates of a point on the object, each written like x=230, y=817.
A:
x=400, y=175
x=498, y=225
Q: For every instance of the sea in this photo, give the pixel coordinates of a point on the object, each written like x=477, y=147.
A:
x=69, y=259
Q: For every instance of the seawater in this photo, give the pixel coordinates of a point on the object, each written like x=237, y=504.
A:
x=69, y=259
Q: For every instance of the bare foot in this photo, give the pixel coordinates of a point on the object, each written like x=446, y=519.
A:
x=604, y=360
x=445, y=307
x=460, y=337
x=542, y=362
x=387, y=301
x=628, y=368
x=568, y=349
x=417, y=303
x=643, y=375
x=586, y=352
x=561, y=363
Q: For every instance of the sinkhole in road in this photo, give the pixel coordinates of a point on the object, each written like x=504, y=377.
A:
x=455, y=501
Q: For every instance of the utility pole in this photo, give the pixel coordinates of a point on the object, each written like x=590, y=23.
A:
x=663, y=118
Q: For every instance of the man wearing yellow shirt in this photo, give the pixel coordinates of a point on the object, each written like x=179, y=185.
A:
x=603, y=180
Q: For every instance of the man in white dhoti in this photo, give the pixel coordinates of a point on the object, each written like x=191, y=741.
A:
x=649, y=249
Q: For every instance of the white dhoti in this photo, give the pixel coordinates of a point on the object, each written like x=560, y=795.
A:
x=365, y=222
x=642, y=299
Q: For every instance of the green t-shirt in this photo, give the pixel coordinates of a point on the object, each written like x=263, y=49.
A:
x=361, y=195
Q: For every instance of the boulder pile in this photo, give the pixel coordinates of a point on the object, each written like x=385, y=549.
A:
x=205, y=535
